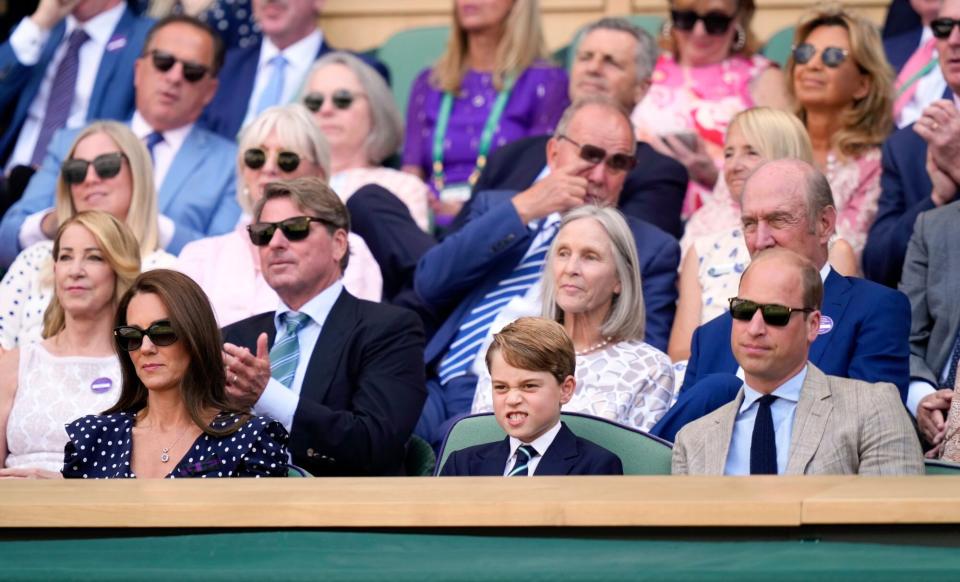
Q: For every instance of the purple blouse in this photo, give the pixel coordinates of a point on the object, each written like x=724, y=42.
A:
x=538, y=100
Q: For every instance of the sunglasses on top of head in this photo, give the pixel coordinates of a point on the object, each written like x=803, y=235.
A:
x=831, y=56
x=714, y=22
x=294, y=229
x=341, y=98
x=164, y=61
x=130, y=337
x=106, y=166
x=773, y=314
x=942, y=27
x=596, y=154
x=255, y=158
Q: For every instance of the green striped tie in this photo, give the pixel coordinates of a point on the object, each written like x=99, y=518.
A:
x=286, y=353
x=522, y=464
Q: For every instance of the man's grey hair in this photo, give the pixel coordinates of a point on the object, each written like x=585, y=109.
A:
x=591, y=101
x=647, y=51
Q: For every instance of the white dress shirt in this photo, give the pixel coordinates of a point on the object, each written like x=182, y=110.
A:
x=300, y=56
x=540, y=444
x=27, y=42
x=929, y=88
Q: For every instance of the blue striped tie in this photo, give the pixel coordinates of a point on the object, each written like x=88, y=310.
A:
x=285, y=354
x=521, y=467
x=472, y=333
x=62, y=91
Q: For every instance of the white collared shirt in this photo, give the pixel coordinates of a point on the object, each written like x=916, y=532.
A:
x=929, y=88
x=300, y=56
x=782, y=410
x=165, y=151
x=27, y=42
x=540, y=444
x=278, y=401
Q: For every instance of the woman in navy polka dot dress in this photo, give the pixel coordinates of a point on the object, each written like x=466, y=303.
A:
x=173, y=418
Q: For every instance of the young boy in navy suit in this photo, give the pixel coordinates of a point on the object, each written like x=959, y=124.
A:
x=531, y=363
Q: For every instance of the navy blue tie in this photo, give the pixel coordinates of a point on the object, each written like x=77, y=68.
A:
x=151, y=141
x=952, y=368
x=763, y=446
x=521, y=467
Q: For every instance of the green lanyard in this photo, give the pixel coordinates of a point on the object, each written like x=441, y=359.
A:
x=486, y=138
x=917, y=76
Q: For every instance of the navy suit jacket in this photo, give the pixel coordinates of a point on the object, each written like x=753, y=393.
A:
x=568, y=454
x=653, y=192
x=362, y=392
x=198, y=192
x=470, y=262
x=869, y=340
x=226, y=112
x=112, y=97
x=899, y=48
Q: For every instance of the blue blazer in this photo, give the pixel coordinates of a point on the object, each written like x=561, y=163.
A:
x=225, y=113
x=198, y=192
x=899, y=48
x=568, y=454
x=869, y=341
x=113, y=94
x=458, y=272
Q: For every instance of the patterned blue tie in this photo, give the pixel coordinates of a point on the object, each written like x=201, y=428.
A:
x=62, y=90
x=472, y=333
x=273, y=91
x=521, y=467
x=285, y=354
x=952, y=368
x=151, y=141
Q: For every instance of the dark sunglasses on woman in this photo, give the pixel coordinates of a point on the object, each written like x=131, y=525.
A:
x=296, y=228
x=164, y=61
x=596, y=154
x=106, y=166
x=255, y=158
x=714, y=22
x=832, y=56
x=130, y=337
x=341, y=98
x=773, y=314
x=942, y=27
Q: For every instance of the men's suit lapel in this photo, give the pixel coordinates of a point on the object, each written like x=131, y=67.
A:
x=330, y=345
x=809, y=421
x=188, y=159
x=561, y=456
x=110, y=62
x=835, y=300
x=952, y=243
x=492, y=460
x=717, y=437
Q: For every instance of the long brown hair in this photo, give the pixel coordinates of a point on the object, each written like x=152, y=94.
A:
x=204, y=386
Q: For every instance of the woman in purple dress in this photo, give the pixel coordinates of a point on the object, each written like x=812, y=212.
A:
x=492, y=86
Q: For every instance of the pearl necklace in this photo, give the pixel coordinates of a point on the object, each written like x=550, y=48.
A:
x=595, y=347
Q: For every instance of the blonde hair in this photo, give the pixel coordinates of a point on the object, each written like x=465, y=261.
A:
x=868, y=121
x=774, y=133
x=522, y=43
x=119, y=248
x=743, y=17
x=142, y=216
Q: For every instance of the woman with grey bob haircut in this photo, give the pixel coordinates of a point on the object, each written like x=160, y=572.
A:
x=591, y=285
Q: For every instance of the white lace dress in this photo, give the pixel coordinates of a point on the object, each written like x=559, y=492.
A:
x=52, y=391
x=628, y=382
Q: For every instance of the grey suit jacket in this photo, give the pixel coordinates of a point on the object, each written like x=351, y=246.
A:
x=931, y=280
x=841, y=426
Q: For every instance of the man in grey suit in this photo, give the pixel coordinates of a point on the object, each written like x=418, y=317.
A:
x=931, y=280
x=789, y=417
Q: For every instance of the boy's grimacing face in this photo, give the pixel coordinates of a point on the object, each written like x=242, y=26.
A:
x=527, y=403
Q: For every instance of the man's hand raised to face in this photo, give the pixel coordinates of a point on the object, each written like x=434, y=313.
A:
x=564, y=188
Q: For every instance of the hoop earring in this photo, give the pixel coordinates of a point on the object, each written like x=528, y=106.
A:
x=739, y=39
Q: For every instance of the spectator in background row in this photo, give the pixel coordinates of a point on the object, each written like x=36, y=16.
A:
x=281, y=143
x=708, y=72
x=913, y=56
x=74, y=371
x=232, y=19
x=107, y=168
x=493, y=85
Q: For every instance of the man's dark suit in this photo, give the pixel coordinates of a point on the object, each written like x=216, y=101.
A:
x=868, y=340
x=901, y=47
x=568, y=455
x=363, y=389
x=653, y=192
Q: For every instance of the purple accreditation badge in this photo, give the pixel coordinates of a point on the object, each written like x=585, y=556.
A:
x=101, y=385
x=116, y=43
x=826, y=324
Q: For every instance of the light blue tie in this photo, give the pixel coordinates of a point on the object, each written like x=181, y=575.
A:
x=273, y=92
x=285, y=354
x=466, y=344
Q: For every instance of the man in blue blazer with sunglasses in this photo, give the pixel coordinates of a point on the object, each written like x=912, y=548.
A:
x=865, y=328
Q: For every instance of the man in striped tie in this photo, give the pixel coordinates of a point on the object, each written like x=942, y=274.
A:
x=488, y=272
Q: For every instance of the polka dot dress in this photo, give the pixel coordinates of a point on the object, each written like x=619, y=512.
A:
x=100, y=448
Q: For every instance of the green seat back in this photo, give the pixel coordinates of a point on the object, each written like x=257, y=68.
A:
x=779, y=45
x=408, y=52
x=295, y=471
x=941, y=467
x=640, y=453
x=420, y=460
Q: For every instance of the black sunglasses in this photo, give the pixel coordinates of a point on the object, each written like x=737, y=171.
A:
x=341, y=99
x=714, y=22
x=773, y=314
x=255, y=158
x=130, y=337
x=296, y=228
x=164, y=61
x=106, y=166
x=832, y=56
x=595, y=155
x=942, y=27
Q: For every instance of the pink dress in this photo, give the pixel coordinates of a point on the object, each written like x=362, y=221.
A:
x=697, y=99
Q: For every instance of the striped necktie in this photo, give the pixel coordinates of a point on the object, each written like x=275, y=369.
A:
x=473, y=331
x=62, y=92
x=521, y=467
x=920, y=63
x=285, y=354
